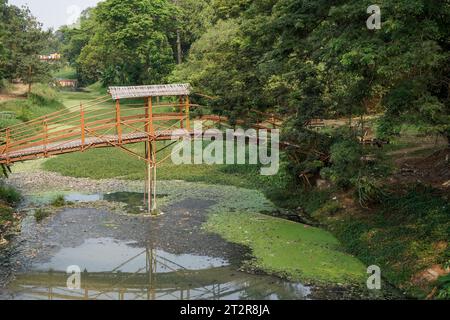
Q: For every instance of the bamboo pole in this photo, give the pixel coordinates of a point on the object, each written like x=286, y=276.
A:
x=181, y=112
x=118, y=121
x=45, y=138
x=188, y=120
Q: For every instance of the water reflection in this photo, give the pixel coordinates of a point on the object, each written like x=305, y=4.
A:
x=122, y=270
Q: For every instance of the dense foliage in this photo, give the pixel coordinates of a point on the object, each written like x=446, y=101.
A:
x=317, y=59
x=22, y=40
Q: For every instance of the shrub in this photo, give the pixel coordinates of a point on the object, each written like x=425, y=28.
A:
x=41, y=214
x=444, y=288
x=368, y=191
x=43, y=95
x=6, y=214
x=9, y=195
x=59, y=201
x=345, y=163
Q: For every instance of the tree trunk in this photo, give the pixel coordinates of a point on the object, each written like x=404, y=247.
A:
x=30, y=72
x=179, y=53
x=447, y=135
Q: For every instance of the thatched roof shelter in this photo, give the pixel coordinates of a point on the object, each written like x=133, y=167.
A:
x=150, y=91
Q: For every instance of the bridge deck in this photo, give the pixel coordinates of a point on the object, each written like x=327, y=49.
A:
x=91, y=142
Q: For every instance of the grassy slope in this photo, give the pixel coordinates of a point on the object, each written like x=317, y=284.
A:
x=43, y=101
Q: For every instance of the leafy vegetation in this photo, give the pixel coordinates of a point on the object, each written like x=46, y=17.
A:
x=9, y=195
x=22, y=40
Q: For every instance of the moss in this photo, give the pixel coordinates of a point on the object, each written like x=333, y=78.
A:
x=282, y=247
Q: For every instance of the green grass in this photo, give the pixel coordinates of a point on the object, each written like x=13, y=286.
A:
x=42, y=101
x=281, y=247
x=113, y=163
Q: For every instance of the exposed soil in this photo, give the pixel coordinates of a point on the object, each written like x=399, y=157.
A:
x=18, y=91
x=431, y=170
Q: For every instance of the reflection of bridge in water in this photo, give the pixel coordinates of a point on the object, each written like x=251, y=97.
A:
x=159, y=279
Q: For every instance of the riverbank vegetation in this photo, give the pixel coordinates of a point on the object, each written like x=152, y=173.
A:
x=9, y=200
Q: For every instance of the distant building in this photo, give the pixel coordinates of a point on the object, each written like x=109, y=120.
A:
x=51, y=57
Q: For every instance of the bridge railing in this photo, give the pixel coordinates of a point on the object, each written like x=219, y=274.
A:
x=78, y=124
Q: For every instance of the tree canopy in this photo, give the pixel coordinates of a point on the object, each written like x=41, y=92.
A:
x=22, y=40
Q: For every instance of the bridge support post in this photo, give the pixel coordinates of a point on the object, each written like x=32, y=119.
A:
x=188, y=120
x=150, y=156
x=118, y=122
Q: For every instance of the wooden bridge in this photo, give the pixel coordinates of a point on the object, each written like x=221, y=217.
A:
x=140, y=114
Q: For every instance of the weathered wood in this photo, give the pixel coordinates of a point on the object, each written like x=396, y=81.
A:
x=150, y=91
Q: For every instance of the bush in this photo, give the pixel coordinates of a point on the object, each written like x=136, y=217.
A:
x=43, y=95
x=6, y=214
x=345, y=163
x=444, y=288
x=9, y=195
x=41, y=214
x=5, y=85
x=368, y=191
x=59, y=201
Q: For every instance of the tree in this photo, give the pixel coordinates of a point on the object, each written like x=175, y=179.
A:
x=317, y=59
x=2, y=38
x=129, y=43
x=23, y=41
x=193, y=18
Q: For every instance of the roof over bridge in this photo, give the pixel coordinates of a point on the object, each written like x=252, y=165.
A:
x=150, y=91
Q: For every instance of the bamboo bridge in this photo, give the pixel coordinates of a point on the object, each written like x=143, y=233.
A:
x=139, y=114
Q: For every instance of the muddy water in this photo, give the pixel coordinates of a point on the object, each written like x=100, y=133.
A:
x=131, y=257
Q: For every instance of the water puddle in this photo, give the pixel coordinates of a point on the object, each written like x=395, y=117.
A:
x=134, y=201
x=116, y=270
